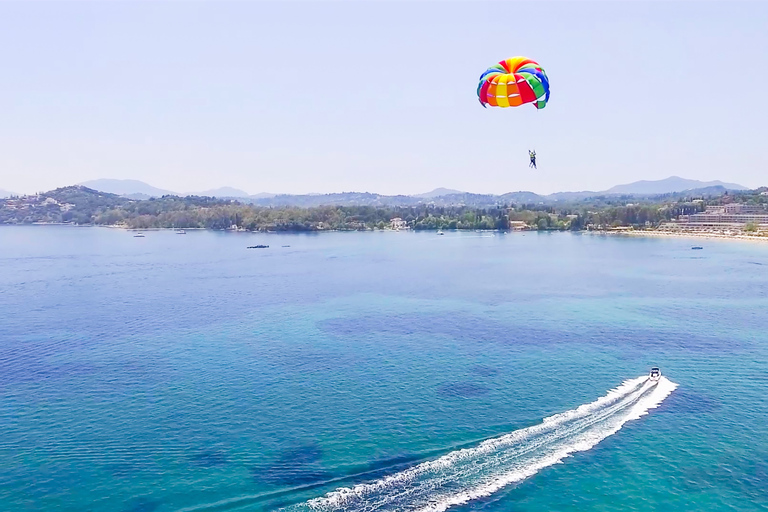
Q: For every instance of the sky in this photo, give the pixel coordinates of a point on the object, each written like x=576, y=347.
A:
x=318, y=97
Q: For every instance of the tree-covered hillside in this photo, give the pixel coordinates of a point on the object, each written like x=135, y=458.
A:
x=83, y=206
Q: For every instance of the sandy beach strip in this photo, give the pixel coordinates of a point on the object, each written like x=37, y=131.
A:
x=686, y=235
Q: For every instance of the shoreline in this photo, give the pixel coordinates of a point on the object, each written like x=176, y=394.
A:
x=626, y=233
x=689, y=235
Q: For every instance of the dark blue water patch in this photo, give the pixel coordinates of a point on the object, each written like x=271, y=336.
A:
x=752, y=478
x=305, y=454
x=378, y=468
x=485, y=371
x=127, y=469
x=747, y=476
x=286, y=475
x=36, y=361
x=297, y=465
x=470, y=329
x=50, y=481
x=662, y=339
x=143, y=505
x=462, y=390
x=306, y=360
x=133, y=373
x=686, y=401
x=210, y=458
x=459, y=326
x=24, y=360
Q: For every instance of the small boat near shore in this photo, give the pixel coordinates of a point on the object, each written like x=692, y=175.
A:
x=138, y=235
x=181, y=232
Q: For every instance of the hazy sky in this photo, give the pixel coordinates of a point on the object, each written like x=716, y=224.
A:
x=379, y=96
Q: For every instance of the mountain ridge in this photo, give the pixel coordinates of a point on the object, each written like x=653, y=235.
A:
x=441, y=191
x=222, y=192
x=126, y=187
x=134, y=189
x=667, y=185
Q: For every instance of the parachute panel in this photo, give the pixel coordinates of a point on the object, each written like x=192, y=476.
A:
x=514, y=82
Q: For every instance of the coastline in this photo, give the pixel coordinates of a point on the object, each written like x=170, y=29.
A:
x=627, y=232
x=687, y=235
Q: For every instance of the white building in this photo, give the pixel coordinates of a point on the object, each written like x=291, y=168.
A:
x=730, y=217
x=397, y=223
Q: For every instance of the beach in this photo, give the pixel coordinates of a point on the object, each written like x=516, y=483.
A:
x=682, y=235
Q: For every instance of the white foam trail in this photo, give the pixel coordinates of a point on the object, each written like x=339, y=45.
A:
x=471, y=473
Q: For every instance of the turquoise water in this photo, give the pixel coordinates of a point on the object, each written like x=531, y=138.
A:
x=187, y=373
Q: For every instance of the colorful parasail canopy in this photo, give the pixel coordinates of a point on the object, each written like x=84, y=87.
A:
x=513, y=82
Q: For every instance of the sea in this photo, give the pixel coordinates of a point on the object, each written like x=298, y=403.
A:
x=380, y=371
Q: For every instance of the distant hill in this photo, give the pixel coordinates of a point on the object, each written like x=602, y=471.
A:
x=139, y=197
x=572, y=196
x=222, y=192
x=339, y=199
x=5, y=193
x=136, y=189
x=439, y=192
x=711, y=191
x=668, y=185
x=371, y=199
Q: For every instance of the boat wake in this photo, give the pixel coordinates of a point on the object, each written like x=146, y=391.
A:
x=471, y=473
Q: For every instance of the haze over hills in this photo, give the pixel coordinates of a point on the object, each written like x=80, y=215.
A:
x=441, y=196
x=135, y=189
x=439, y=192
x=223, y=192
x=126, y=188
x=5, y=193
x=667, y=185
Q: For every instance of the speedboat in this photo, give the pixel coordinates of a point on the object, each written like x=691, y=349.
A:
x=655, y=374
